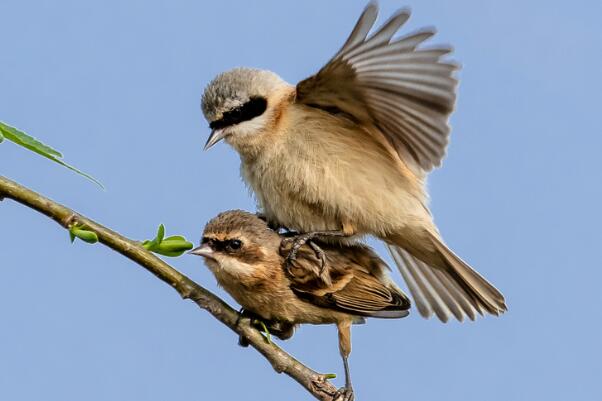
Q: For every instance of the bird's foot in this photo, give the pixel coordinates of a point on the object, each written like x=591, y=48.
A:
x=242, y=340
x=344, y=394
x=257, y=322
x=281, y=329
x=298, y=240
x=307, y=238
x=319, y=254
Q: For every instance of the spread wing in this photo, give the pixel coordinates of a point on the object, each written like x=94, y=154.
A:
x=406, y=92
x=353, y=280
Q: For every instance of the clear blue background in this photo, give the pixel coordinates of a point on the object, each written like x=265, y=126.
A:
x=116, y=86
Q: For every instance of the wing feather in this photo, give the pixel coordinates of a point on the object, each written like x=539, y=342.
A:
x=362, y=27
x=354, y=280
x=406, y=92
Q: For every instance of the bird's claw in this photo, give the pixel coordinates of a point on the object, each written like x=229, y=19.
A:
x=319, y=254
x=297, y=242
x=255, y=321
x=302, y=239
x=344, y=394
x=243, y=341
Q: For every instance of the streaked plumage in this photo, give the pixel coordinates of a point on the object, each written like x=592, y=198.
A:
x=349, y=149
x=259, y=279
x=248, y=260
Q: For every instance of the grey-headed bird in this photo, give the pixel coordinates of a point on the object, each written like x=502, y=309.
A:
x=249, y=260
x=346, y=152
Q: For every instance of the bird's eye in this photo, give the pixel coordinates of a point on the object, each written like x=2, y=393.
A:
x=234, y=244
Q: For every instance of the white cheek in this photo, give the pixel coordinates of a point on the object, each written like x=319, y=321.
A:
x=251, y=127
x=235, y=267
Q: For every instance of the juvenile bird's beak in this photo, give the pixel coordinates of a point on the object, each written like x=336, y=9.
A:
x=216, y=136
x=203, y=250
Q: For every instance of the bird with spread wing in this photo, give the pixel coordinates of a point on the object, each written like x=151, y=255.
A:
x=345, y=153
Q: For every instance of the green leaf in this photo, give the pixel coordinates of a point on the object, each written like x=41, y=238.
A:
x=160, y=233
x=175, y=238
x=330, y=375
x=171, y=254
x=29, y=142
x=85, y=235
x=172, y=246
x=175, y=246
x=1, y=137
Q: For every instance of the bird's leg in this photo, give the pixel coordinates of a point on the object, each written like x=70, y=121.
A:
x=281, y=329
x=345, y=393
x=302, y=239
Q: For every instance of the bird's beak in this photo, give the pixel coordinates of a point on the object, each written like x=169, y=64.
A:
x=203, y=250
x=216, y=136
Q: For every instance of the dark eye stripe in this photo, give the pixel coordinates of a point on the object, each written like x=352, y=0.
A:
x=253, y=108
x=222, y=245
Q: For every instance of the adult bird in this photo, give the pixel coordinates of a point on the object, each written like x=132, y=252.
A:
x=346, y=152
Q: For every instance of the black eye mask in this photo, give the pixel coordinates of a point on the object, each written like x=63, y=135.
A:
x=232, y=245
x=253, y=108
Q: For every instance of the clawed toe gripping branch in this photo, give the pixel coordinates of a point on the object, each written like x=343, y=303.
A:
x=87, y=230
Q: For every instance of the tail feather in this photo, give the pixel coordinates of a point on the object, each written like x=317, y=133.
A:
x=422, y=287
x=485, y=290
x=422, y=300
x=444, y=291
x=456, y=290
x=458, y=295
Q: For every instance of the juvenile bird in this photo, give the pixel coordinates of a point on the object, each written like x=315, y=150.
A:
x=345, y=153
x=248, y=260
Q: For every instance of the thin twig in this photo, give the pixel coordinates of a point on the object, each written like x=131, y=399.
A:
x=281, y=361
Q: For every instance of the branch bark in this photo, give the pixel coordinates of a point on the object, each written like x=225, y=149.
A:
x=281, y=361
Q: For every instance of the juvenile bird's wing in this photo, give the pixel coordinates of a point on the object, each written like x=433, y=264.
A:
x=406, y=92
x=353, y=280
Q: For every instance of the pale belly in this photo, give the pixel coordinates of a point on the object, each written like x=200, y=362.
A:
x=321, y=198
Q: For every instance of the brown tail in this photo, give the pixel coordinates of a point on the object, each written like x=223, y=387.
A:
x=455, y=290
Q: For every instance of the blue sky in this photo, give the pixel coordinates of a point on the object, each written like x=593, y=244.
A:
x=116, y=86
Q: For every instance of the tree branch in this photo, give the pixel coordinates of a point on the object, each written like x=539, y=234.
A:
x=281, y=361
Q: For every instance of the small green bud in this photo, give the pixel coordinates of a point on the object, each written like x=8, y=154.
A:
x=175, y=245
x=160, y=233
x=85, y=235
x=268, y=336
x=172, y=246
x=330, y=376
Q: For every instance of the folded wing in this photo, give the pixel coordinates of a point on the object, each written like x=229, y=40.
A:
x=353, y=280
